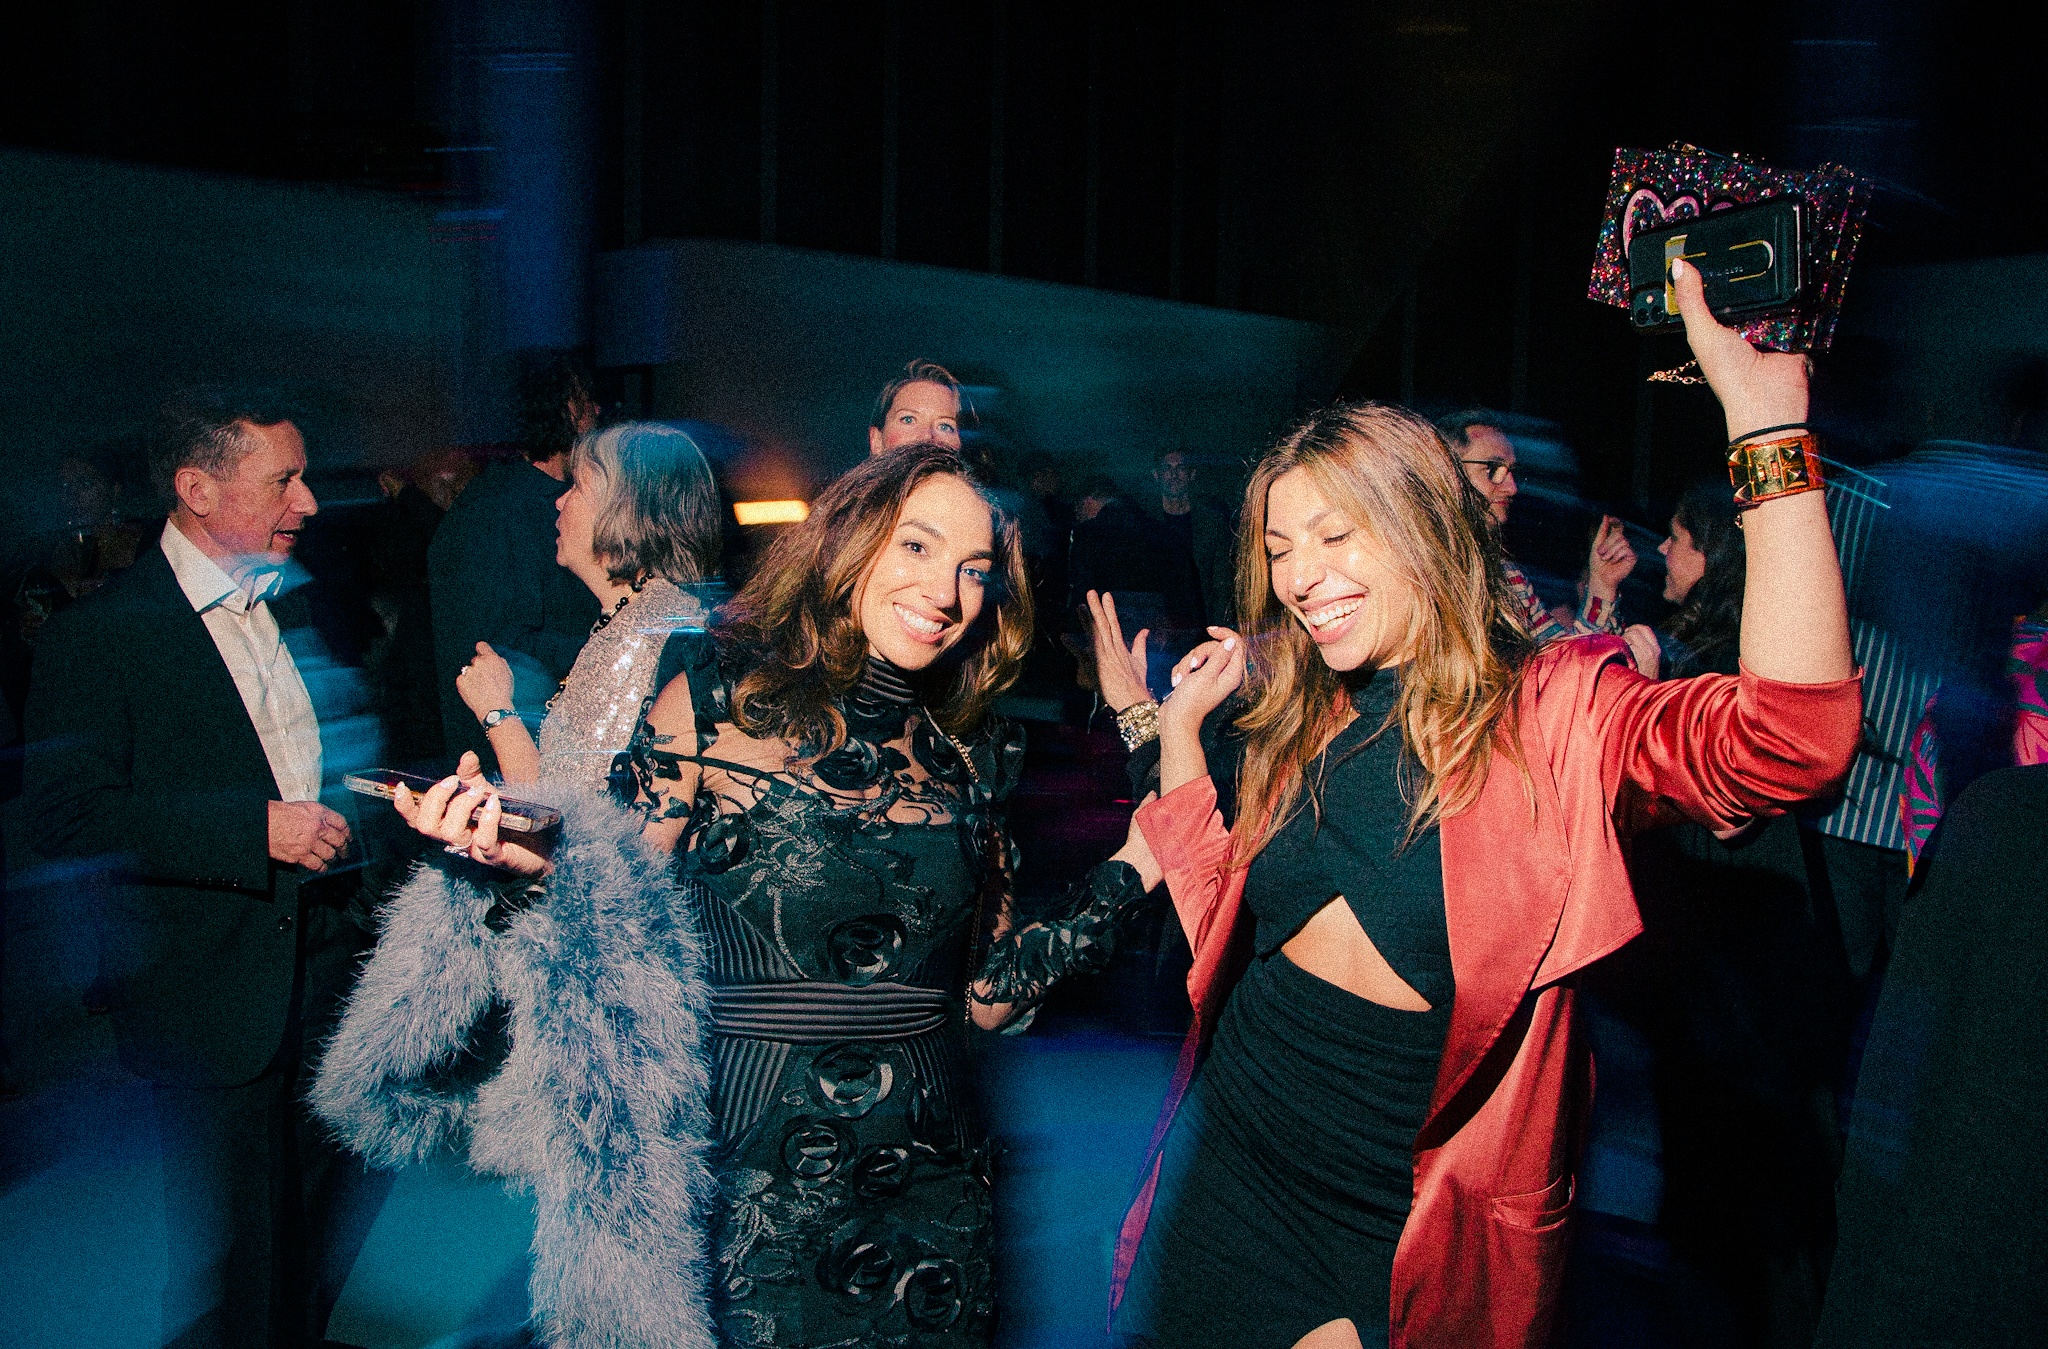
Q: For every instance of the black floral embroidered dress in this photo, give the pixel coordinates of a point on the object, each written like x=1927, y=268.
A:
x=845, y=902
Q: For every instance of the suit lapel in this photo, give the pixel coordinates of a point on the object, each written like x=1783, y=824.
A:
x=189, y=681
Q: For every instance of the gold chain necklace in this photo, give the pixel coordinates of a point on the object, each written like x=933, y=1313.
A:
x=980, y=891
x=958, y=748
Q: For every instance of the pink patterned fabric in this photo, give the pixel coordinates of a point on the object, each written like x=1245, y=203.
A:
x=1920, y=804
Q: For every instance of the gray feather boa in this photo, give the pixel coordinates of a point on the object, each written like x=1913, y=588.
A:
x=601, y=1105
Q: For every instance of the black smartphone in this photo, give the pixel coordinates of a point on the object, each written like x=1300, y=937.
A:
x=520, y=817
x=1752, y=259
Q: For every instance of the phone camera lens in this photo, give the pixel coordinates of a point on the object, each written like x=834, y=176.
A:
x=1648, y=306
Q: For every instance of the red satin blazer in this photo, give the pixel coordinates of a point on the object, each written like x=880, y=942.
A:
x=1529, y=901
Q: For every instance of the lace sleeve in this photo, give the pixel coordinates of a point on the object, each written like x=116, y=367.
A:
x=1023, y=963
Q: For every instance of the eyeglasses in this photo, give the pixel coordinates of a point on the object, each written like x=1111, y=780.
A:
x=1497, y=470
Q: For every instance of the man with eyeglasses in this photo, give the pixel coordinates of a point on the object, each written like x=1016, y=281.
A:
x=1488, y=456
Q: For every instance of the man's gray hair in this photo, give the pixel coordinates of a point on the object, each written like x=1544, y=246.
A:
x=203, y=428
x=657, y=510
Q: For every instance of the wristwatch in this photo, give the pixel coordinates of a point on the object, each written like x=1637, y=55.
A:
x=496, y=715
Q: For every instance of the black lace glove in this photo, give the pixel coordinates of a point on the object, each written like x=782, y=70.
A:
x=1025, y=962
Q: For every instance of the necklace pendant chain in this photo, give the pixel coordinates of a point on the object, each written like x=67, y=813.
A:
x=957, y=747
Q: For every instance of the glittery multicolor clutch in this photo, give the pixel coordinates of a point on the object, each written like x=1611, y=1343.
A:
x=1653, y=189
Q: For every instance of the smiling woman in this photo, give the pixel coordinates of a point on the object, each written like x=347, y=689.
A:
x=823, y=768
x=831, y=777
x=1378, y=1146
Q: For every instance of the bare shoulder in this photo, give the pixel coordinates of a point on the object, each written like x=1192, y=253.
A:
x=675, y=710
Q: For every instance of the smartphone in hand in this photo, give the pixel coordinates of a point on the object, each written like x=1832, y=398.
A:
x=1751, y=258
x=520, y=817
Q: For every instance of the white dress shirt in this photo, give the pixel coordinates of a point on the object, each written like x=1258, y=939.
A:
x=237, y=614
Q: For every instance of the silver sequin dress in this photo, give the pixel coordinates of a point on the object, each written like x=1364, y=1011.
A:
x=601, y=702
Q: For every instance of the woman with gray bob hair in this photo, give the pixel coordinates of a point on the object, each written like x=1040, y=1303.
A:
x=656, y=510
x=640, y=525
x=601, y=979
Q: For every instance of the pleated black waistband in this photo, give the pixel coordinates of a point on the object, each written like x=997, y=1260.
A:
x=813, y=1012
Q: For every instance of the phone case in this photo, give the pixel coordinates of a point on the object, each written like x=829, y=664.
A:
x=1749, y=257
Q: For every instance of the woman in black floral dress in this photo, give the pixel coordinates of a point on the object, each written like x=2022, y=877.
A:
x=828, y=773
x=830, y=766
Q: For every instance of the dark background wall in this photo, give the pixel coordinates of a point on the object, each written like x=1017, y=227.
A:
x=1421, y=178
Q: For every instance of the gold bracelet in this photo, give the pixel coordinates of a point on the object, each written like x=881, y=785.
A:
x=1138, y=724
x=1767, y=469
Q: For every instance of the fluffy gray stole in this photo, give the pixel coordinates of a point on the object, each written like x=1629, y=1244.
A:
x=600, y=1108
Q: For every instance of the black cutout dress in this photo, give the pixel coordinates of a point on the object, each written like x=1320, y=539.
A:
x=1289, y=1173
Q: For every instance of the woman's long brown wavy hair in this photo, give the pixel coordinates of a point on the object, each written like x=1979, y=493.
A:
x=1401, y=487
x=796, y=625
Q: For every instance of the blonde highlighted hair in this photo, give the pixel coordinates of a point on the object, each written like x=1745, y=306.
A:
x=1390, y=473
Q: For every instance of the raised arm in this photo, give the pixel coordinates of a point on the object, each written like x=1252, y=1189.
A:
x=1795, y=621
x=1184, y=829
x=1720, y=750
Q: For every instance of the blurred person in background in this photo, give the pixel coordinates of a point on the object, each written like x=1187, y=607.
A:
x=1488, y=457
x=1942, y=1187
x=821, y=787
x=177, y=743
x=400, y=533
x=640, y=525
x=1198, y=529
x=67, y=559
x=1046, y=519
x=1721, y=1032
x=1116, y=548
x=1941, y=549
x=89, y=544
x=491, y=570
x=924, y=403
x=1941, y=1190
x=1928, y=787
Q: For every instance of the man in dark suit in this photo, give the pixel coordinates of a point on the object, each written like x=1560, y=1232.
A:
x=491, y=570
x=173, y=740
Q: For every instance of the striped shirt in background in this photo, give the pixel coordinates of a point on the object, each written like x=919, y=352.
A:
x=1989, y=502
x=1895, y=689
x=1593, y=616
x=1895, y=693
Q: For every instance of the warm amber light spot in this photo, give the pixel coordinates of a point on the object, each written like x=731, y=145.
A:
x=770, y=512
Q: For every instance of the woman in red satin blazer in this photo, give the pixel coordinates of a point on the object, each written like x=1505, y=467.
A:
x=1534, y=882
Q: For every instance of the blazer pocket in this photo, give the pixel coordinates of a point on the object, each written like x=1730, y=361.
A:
x=1538, y=1210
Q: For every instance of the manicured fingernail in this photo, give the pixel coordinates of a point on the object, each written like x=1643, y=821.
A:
x=1230, y=643
x=1176, y=679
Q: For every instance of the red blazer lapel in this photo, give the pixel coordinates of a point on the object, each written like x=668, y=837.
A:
x=1505, y=883
x=1531, y=900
